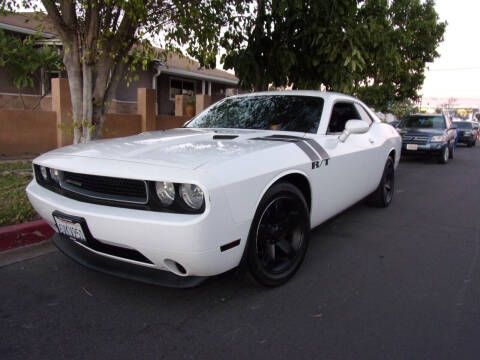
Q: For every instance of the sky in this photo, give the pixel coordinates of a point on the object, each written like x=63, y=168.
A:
x=456, y=73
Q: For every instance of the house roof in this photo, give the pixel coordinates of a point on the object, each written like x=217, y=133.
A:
x=37, y=22
x=183, y=66
x=28, y=23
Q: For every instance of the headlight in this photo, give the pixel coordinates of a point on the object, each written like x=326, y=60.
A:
x=192, y=195
x=165, y=192
x=55, y=175
x=43, y=171
x=438, y=138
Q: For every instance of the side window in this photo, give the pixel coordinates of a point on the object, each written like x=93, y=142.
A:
x=365, y=116
x=341, y=113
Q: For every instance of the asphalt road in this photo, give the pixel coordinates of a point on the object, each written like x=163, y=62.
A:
x=396, y=283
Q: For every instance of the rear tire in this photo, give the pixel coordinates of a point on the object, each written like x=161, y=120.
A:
x=279, y=235
x=383, y=196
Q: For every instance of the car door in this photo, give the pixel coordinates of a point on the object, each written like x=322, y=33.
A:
x=450, y=132
x=351, y=172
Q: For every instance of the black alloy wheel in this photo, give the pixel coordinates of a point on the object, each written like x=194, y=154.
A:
x=279, y=235
x=389, y=183
x=383, y=195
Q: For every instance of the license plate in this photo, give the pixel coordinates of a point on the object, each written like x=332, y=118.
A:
x=70, y=228
x=412, y=147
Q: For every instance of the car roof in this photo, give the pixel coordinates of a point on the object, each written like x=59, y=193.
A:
x=327, y=95
x=425, y=115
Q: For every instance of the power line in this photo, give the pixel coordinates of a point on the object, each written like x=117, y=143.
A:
x=456, y=69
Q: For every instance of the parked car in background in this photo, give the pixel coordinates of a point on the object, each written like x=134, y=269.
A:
x=467, y=132
x=241, y=183
x=476, y=126
x=428, y=134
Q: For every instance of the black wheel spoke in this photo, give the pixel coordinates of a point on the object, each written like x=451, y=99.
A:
x=292, y=220
x=285, y=246
x=271, y=252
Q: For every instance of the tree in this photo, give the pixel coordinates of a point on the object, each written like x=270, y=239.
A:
x=105, y=39
x=24, y=58
x=402, y=37
x=374, y=49
x=402, y=109
x=289, y=42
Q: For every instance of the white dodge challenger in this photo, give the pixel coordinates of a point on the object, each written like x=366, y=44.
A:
x=241, y=184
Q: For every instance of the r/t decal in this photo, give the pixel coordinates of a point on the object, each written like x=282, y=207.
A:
x=317, y=164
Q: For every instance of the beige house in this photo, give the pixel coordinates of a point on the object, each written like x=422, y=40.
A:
x=170, y=77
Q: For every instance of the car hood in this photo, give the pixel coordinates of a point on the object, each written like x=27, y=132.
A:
x=417, y=131
x=185, y=148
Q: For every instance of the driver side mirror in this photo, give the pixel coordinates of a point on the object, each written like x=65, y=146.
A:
x=353, y=127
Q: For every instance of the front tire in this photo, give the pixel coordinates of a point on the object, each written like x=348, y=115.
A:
x=452, y=149
x=443, y=159
x=383, y=196
x=279, y=235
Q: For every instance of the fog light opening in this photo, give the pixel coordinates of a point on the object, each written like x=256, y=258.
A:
x=175, y=267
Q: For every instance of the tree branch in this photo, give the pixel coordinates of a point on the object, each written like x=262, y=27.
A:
x=56, y=18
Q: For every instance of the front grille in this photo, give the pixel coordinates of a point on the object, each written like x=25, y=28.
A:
x=106, y=188
x=412, y=139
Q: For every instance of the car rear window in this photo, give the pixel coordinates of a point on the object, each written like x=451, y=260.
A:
x=424, y=122
x=463, y=125
x=264, y=112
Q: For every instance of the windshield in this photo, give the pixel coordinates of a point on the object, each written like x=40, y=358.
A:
x=424, y=122
x=463, y=125
x=265, y=112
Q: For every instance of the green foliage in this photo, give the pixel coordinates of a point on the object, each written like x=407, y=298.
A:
x=305, y=44
x=401, y=39
x=375, y=49
x=24, y=58
x=14, y=205
x=401, y=109
x=105, y=42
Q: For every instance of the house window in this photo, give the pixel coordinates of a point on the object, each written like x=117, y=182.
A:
x=47, y=76
x=181, y=87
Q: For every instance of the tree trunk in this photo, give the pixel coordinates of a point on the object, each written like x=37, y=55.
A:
x=71, y=60
x=258, y=33
x=87, y=124
x=92, y=75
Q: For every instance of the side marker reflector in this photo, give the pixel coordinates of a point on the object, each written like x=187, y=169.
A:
x=230, y=245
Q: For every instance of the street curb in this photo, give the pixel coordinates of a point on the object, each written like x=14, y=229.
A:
x=24, y=234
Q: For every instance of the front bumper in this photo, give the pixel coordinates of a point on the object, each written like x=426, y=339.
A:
x=427, y=149
x=122, y=269
x=193, y=241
